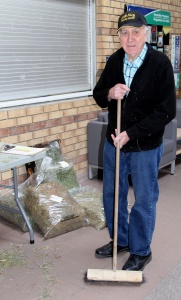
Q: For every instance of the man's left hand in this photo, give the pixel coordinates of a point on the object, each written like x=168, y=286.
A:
x=122, y=137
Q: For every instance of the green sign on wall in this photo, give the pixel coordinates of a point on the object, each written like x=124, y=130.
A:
x=177, y=80
x=159, y=17
x=153, y=17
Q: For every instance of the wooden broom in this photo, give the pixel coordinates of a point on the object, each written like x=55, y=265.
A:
x=114, y=274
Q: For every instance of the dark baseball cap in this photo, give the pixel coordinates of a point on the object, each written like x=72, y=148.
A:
x=131, y=18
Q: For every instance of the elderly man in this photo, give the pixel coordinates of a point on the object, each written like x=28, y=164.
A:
x=142, y=79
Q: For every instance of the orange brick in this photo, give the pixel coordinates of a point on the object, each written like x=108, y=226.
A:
x=105, y=3
x=68, y=149
x=56, y=130
x=25, y=137
x=66, y=120
x=8, y=123
x=50, y=107
x=67, y=135
x=4, y=132
x=81, y=131
x=10, y=139
x=65, y=105
x=24, y=120
x=69, y=141
x=3, y=115
x=82, y=165
x=16, y=113
x=34, y=110
x=81, y=138
x=54, y=137
x=115, y=4
x=139, y=2
x=79, y=103
x=102, y=17
x=70, y=112
x=17, y=130
x=82, y=151
x=37, y=126
x=55, y=114
x=36, y=141
x=40, y=117
x=71, y=126
x=6, y=175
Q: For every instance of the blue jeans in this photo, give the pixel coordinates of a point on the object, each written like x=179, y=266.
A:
x=137, y=230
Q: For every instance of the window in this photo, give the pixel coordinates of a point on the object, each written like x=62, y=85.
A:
x=46, y=50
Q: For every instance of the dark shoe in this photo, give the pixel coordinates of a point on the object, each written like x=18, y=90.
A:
x=137, y=262
x=107, y=250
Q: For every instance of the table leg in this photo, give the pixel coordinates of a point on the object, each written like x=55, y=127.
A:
x=21, y=208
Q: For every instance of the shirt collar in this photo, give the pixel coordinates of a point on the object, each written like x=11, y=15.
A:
x=138, y=61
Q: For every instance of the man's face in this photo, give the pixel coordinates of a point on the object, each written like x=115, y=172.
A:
x=132, y=40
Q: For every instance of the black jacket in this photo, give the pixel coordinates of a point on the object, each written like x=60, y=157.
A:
x=150, y=104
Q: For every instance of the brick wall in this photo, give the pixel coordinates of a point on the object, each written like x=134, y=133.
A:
x=66, y=120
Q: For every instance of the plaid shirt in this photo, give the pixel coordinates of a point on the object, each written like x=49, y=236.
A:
x=130, y=68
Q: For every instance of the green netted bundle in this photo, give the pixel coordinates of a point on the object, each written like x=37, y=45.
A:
x=67, y=178
x=90, y=199
x=7, y=199
x=57, y=167
x=53, y=209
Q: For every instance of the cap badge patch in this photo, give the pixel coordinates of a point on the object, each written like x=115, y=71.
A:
x=128, y=17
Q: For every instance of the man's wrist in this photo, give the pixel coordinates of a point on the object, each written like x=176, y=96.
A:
x=109, y=96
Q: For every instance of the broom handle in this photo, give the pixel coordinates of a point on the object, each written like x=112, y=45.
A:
x=116, y=200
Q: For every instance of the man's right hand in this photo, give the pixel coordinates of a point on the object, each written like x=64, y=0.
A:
x=118, y=91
